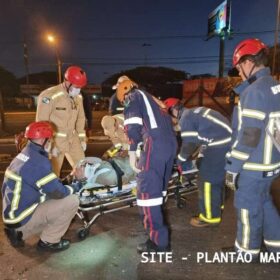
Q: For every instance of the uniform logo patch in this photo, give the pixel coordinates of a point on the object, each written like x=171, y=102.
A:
x=46, y=100
x=275, y=89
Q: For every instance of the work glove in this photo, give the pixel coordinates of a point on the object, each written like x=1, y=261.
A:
x=76, y=186
x=133, y=161
x=231, y=180
x=55, y=152
x=84, y=145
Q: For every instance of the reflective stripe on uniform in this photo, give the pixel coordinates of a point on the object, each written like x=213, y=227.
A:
x=260, y=167
x=272, y=243
x=16, y=192
x=71, y=190
x=217, y=121
x=210, y=221
x=268, y=143
x=239, y=115
x=60, y=134
x=189, y=134
x=150, y=112
x=133, y=120
x=206, y=112
x=82, y=134
x=220, y=142
x=46, y=180
x=274, y=115
x=181, y=158
x=57, y=95
x=207, y=200
x=239, y=155
x=249, y=251
x=253, y=114
x=244, y=214
x=150, y=202
x=22, y=215
x=164, y=193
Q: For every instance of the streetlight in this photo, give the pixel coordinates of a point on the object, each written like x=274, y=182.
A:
x=52, y=40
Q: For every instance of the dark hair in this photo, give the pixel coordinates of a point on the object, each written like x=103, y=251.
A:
x=260, y=58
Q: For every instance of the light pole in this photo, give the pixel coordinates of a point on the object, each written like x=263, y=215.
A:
x=52, y=40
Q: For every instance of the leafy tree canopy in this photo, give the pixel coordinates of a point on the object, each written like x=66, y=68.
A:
x=150, y=76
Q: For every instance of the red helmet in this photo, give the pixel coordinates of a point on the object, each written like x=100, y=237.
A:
x=76, y=76
x=171, y=102
x=39, y=130
x=247, y=47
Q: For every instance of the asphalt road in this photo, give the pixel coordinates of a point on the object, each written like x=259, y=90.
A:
x=109, y=252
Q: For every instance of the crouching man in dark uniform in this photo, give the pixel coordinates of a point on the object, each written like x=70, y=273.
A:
x=34, y=200
x=148, y=124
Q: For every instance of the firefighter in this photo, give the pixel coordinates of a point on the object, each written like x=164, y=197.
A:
x=114, y=128
x=62, y=105
x=115, y=106
x=209, y=131
x=254, y=161
x=34, y=200
x=150, y=131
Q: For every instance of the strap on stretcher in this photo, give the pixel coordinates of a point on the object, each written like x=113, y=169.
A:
x=119, y=173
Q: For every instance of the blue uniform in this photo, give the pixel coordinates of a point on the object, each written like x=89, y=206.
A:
x=205, y=128
x=115, y=106
x=29, y=181
x=146, y=123
x=257, y=161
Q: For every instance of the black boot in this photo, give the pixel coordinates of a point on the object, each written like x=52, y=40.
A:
x=14, y=236
x=63, y=244
x=149, y=246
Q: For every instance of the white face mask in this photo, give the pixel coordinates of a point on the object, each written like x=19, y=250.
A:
x=74, y=91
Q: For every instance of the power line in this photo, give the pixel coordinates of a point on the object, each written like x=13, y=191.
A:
x=140, y=38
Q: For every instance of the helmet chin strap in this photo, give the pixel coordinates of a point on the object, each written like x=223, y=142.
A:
x=250, y=73
x=67, y=88
x=45, y=142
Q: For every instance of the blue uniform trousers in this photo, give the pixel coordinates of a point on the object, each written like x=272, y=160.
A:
x=156, y=163
x=258, y=219
x=211, y=184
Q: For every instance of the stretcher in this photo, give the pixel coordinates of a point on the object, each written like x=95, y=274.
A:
x=102, y=200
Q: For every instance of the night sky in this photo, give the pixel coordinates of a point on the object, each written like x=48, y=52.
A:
x=105, y=37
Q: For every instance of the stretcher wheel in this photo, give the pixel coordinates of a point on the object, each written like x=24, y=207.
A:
x=82, y=233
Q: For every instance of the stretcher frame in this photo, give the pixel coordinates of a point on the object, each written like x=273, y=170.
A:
x=105, y=206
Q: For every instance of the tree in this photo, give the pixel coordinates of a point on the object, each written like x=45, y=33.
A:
x=160, y=81
x=42, y=78
x=8, y=83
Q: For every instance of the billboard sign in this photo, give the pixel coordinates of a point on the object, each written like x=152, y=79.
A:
x=219, y=19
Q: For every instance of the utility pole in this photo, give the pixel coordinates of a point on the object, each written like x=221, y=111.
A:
x=222, y=54
x=276, y=39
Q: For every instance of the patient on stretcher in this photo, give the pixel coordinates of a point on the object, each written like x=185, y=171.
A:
x=97, y=173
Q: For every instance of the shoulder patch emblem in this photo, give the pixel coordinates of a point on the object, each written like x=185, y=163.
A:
x=46, y=100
